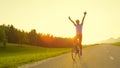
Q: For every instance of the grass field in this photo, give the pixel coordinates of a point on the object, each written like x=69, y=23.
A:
x=117, y=44
x=14, y=56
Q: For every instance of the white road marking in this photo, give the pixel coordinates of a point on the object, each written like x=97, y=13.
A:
x=112, y=58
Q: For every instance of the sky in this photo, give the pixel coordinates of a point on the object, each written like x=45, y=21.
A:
x=51, y=16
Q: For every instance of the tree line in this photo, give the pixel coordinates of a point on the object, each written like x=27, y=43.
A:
x=10, y=34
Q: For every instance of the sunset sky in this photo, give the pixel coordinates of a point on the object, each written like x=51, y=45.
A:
x=51, y=16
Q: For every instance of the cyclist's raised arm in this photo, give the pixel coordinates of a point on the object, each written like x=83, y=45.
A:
x=83, y=17
x=71, y=20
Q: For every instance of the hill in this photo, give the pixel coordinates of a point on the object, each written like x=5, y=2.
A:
x=111, y=40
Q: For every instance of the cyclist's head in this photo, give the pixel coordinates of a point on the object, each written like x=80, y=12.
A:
x=77, y=22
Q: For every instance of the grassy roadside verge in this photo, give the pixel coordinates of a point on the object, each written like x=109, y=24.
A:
x=116, y=44
x=14, y=56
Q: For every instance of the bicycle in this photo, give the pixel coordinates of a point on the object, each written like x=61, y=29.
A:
x=75, y=50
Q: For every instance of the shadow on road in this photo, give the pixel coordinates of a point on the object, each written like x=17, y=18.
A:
x=83, y=63
x=79, y=64
x=75, y=64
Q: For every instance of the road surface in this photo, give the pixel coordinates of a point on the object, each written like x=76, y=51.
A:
x=99, y=56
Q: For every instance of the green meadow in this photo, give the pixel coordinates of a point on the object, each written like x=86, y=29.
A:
x=117, y=44
x=13, y=56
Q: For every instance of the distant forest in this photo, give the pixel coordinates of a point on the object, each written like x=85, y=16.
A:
x=10, y=34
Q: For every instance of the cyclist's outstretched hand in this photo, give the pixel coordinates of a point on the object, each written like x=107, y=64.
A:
x=69, y=18
x=85, y=13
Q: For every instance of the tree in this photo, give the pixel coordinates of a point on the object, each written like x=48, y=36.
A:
x=12, y=34
x=3, y=38
x=33, y=37
x=22, y=37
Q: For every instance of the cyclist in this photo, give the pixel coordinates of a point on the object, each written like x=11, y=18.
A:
x=78, y=27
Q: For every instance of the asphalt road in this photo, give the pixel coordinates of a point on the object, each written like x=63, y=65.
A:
x=99, y=56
